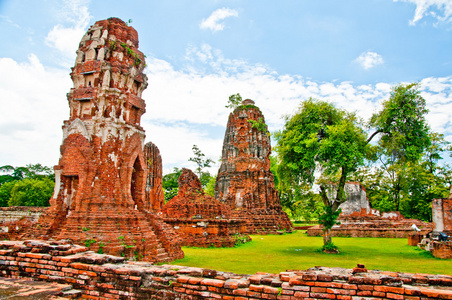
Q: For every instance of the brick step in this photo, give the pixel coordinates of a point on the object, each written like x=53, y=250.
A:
x=72, y=294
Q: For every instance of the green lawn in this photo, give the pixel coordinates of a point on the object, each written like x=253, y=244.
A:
x=297, y=251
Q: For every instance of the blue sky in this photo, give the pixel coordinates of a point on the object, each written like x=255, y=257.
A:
x=200, y=52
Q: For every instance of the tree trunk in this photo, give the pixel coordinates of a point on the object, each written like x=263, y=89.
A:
x=326, y=236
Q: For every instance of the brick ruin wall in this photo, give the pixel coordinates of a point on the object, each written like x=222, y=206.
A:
x=442, y=215
x=100, y=276
x=14, y=213
x=358, y=219
x=373, y=227
x=200, y=219
x=244, y=180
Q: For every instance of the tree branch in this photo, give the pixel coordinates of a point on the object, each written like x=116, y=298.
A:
x=374, y=134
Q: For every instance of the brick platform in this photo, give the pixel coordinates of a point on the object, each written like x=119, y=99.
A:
x=108, y=277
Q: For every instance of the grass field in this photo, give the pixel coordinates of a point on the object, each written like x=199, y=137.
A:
x=297, y=251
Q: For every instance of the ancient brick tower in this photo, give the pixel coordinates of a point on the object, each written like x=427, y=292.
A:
x=100, y=190
x=244, y=181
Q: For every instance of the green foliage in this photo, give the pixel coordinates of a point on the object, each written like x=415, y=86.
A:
x=89, y=242
x=234, y=101
x=324, y=139
x=200, y=160
x=170, y=184
x=31, y=192
x=402, y=124
x=259, y=125
x=5, y=192
x=329, y=218
x=101, y=248
x=329, y=247
x=210, y=186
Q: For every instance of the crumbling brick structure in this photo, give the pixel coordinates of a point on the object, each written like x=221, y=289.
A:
x=200, y=219
x=376, y=224
x=244, y=181
x=155, y=197
x=442, y=215
x=99, y=276
x=100, y=180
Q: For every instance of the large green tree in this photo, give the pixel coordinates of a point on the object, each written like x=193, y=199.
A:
x=324, y=142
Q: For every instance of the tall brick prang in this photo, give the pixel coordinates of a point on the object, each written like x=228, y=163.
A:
x=100, y=192
x=244, y=180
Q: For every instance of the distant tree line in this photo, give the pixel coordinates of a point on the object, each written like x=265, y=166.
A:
x=31, y=185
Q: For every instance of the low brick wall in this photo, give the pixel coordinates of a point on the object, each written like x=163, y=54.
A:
x=362, y=231
x=14, y=213
x=101, y=276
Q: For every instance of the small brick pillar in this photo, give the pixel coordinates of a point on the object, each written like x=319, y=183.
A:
x=414, y=239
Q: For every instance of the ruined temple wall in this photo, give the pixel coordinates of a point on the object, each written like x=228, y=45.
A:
x=356, y=199
x=108, y=277
x=442, y=214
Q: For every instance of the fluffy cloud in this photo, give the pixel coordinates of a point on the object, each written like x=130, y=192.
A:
x=186, y=106
x=369, y=60
x=438, y=9
x=33, y=111
x=213, y=22
x=195, y=97
x=66, y=36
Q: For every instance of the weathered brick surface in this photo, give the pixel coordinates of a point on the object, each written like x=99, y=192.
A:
x=100, y=196
x=200, y=219
x=375, y=224
x=154, y=190
x=244, y=180
x=98, y=276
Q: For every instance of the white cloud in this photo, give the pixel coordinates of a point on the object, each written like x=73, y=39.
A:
x=213, y=22
x=34, y=105
x=369, y=60
x=65, y=37
x=184, y=106
x=431, y=8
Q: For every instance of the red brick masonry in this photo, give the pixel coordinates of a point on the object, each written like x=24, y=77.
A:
x=101, y=276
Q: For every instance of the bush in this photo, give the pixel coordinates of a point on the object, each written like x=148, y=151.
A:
x=31, y=192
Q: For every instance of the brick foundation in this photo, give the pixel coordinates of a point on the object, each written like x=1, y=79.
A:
x=109, y=277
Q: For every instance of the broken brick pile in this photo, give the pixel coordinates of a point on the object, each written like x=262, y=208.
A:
x=374, y=224
x=200, y=219
x=244, y=181
x=99, y=276
x=100, y=180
